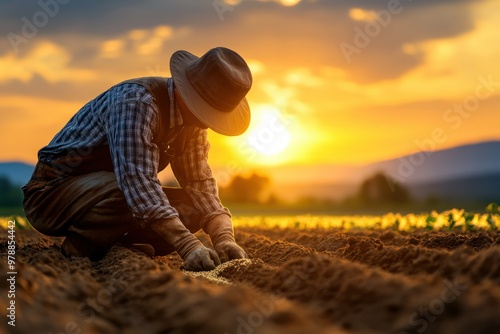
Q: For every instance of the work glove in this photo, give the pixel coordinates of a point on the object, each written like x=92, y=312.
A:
x=196, y=256
x=220, y=230
x=201, y=259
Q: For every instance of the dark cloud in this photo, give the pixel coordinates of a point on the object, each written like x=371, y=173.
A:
x=309, y=33
x=383, y=4
x=111, y=17
x=38, y=87
x=106, y=18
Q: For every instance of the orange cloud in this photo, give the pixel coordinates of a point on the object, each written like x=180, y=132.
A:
x=142, y=41
x=47, y=59
x=359, y=14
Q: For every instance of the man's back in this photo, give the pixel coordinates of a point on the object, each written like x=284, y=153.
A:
x=97, y=181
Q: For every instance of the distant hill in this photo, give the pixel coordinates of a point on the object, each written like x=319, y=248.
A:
x=454, y=163
x=464, y=172
x=17, y=172
x=481, y=188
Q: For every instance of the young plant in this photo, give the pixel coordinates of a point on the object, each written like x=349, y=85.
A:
x=451, y=221
x=468, y=217
x=493, y=208
x=491, y=222
x=429, y=222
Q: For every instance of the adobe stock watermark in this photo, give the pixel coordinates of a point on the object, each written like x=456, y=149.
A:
x=298, y=277
x=453, y=118
x=11, y=273
x=255, y=319
x=88, y=310
x=155, y=71
x=69, y=163
x=30, y=27
x=420, y=319
x=222, y=7
x=261, y=139
x=294, y=279
x=364, y=36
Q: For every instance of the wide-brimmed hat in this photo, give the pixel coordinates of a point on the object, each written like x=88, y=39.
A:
x=214, y=87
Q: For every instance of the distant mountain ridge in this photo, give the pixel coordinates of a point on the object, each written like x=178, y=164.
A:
x=448, y=164
x=18, y=173
x=467, y=171
x=480, y=188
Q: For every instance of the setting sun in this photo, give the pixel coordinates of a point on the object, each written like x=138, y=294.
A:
x=269, y=134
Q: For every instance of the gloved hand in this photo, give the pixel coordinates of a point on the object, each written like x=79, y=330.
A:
x=220, y=230
x=196, y=256
x=229, y=250
x=201, y=258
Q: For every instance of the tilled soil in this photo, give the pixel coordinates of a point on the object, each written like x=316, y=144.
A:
x=296, y=281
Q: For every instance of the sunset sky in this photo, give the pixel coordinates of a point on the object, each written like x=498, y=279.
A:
x=335, y=82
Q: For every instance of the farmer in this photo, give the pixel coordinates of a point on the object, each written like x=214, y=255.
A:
x=96, y=182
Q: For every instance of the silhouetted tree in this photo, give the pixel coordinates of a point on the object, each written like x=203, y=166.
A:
x=381, y=189
x=241, y=189
x=10, y=194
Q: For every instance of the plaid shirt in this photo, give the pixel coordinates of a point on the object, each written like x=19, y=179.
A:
x=125, y=118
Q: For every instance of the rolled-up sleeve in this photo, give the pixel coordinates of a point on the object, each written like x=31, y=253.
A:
x=194, y=175
x=130, y=128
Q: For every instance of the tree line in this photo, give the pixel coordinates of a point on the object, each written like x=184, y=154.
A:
x=11, y=195
x=377, y=189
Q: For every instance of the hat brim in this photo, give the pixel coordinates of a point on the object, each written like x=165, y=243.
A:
x=231, y=123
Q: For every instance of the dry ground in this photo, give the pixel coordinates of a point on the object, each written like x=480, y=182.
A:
x=313, y=281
